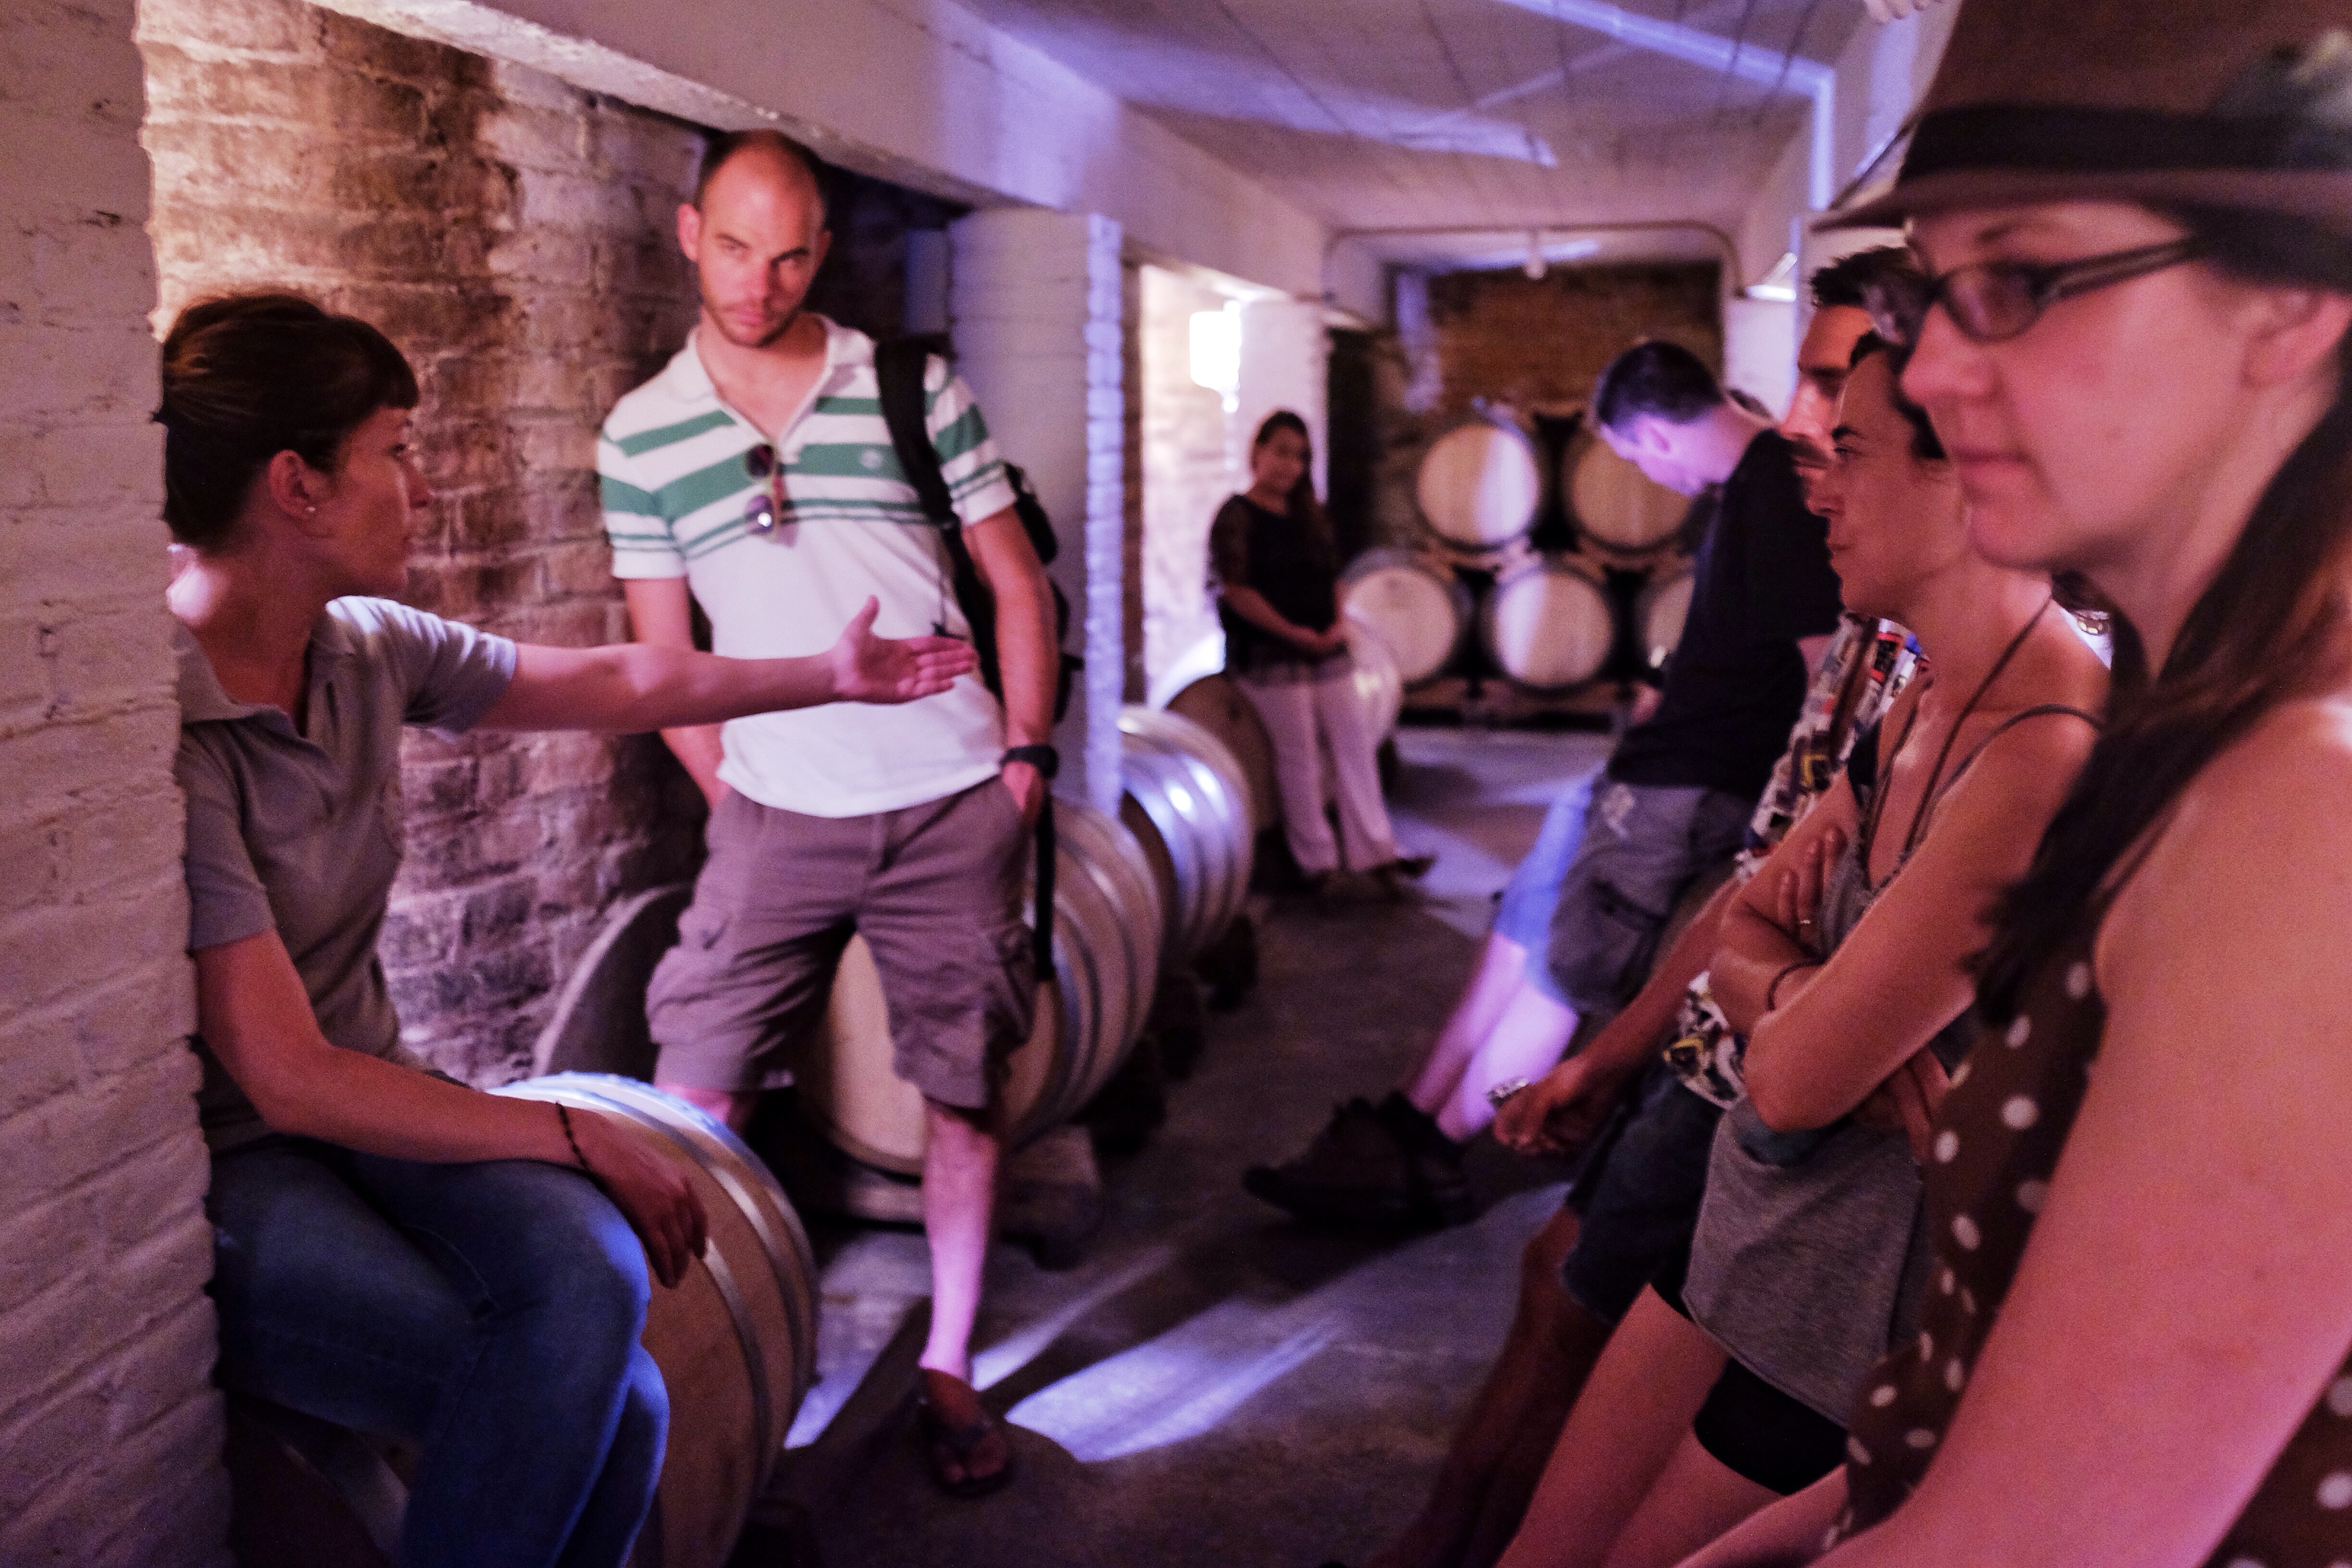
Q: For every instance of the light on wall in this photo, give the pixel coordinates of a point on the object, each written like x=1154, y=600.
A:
x=1780, y=285
x=1217, y=353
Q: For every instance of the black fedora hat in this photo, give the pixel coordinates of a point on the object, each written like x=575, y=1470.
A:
x=2231, y=103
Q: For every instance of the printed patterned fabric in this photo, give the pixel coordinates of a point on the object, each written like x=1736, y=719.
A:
x=1866, y=667
x=1997, y=1140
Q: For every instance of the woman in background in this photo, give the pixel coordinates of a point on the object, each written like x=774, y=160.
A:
x=1276, y=570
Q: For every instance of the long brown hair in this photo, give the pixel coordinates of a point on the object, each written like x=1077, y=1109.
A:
x=2270, y=628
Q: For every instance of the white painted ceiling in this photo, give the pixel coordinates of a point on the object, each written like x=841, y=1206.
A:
x=1388, y=114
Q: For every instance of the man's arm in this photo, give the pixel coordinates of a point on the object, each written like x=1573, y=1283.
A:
x=1027, y=655
x=661, y=615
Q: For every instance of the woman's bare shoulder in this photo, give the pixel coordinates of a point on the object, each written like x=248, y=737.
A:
x=2259, y=840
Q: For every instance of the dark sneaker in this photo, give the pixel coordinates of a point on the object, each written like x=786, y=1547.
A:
x=1361, y=1171
x=1435, y=1158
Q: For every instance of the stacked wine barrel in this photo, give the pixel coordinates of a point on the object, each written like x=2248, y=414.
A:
x=735, y=1340
x=1480, y=597
x=1188, y=800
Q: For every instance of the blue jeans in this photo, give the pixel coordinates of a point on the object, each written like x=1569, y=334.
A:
x=488, y=1314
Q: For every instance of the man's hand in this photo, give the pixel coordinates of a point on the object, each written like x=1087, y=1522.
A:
x=1563, y=1110
x=867, y=669
x=1028, y=788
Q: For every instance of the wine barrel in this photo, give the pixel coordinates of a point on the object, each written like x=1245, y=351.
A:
x=1216, y=705
x=1106, y=945
x=736, y=1342
x=1188, y=806
x=1620, y=511
x=1660, y=610
x=1548, y=624
x=1414, y=603
x=1479, y=485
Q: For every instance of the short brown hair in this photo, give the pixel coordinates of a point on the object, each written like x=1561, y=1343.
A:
x=246, y=376
x=726, y=144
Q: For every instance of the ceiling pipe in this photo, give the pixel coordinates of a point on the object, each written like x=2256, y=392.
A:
x=1732, y=276
x=1698, y=46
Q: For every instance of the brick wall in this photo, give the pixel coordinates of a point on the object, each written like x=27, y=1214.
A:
x=110, y=1431
x=1535, y=344
x=515, y=236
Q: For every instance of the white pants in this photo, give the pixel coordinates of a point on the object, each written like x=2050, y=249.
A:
x=1307, y=719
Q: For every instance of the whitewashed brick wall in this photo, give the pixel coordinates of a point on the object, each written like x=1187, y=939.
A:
x=1035, y=299
x=110, y=1431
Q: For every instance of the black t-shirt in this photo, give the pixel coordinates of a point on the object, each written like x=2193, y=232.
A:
x=1734, y=684
x=1290, y=561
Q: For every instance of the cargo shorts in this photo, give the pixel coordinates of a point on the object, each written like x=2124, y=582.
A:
x=1641, y=847
x=935, y=890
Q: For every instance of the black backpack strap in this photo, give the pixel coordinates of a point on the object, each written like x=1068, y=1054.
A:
x=899, y=366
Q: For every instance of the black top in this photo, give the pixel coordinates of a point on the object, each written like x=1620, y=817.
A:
x=1735, y=682
x=1293, y=565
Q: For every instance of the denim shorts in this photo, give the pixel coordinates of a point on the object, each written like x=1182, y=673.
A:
x=1638, y=1192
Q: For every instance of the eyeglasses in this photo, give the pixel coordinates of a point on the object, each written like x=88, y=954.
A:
x=1994, y=302
x=765, y=508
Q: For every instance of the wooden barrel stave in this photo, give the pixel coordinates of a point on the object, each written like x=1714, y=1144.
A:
x=1479, y=485
x=1414, y=603
x=1549, y=626
x=1619, y=509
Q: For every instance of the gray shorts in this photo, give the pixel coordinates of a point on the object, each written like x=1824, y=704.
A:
x=1641, y=847
x=935, y=890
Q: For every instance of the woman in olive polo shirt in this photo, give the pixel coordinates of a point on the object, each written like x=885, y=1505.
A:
x=396, y=1252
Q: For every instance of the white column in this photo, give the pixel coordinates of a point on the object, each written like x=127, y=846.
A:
x=1035, y=299
x=1284, y=355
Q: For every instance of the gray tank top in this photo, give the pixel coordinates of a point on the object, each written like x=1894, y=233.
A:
x=1810, y=1259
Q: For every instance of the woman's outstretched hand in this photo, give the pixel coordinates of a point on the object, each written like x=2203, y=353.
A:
x=867, y=669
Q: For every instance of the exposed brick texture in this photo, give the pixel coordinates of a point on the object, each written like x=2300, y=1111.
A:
x=514, y=235
x=110, y=1430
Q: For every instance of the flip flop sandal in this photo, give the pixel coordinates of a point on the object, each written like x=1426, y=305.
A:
x=943, y=1445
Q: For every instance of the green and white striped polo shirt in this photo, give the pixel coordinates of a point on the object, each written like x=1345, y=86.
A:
x=673, y=459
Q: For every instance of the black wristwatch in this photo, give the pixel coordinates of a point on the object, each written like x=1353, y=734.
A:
x=1043, y=758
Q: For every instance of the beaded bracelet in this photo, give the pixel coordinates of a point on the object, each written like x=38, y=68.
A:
x=563, y=1115
x=1772, y=991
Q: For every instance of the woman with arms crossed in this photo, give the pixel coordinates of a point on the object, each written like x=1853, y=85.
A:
x=396, y=1252
x=2139, y=230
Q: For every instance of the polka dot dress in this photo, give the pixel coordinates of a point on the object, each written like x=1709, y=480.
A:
x=1998, y=1136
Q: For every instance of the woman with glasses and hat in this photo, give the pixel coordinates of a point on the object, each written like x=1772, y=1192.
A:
x=2137, y=226
x=395, y=1252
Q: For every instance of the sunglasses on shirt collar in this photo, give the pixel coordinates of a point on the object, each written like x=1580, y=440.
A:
x=765, y=508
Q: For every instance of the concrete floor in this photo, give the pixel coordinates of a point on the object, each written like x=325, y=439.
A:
x=1212, y=1383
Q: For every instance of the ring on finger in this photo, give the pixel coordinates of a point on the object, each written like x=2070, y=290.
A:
x=1497, y=1093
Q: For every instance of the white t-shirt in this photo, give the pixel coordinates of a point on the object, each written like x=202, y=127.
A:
x=676, y=466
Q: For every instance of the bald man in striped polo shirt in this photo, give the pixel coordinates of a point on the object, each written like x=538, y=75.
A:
x=754, y=476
